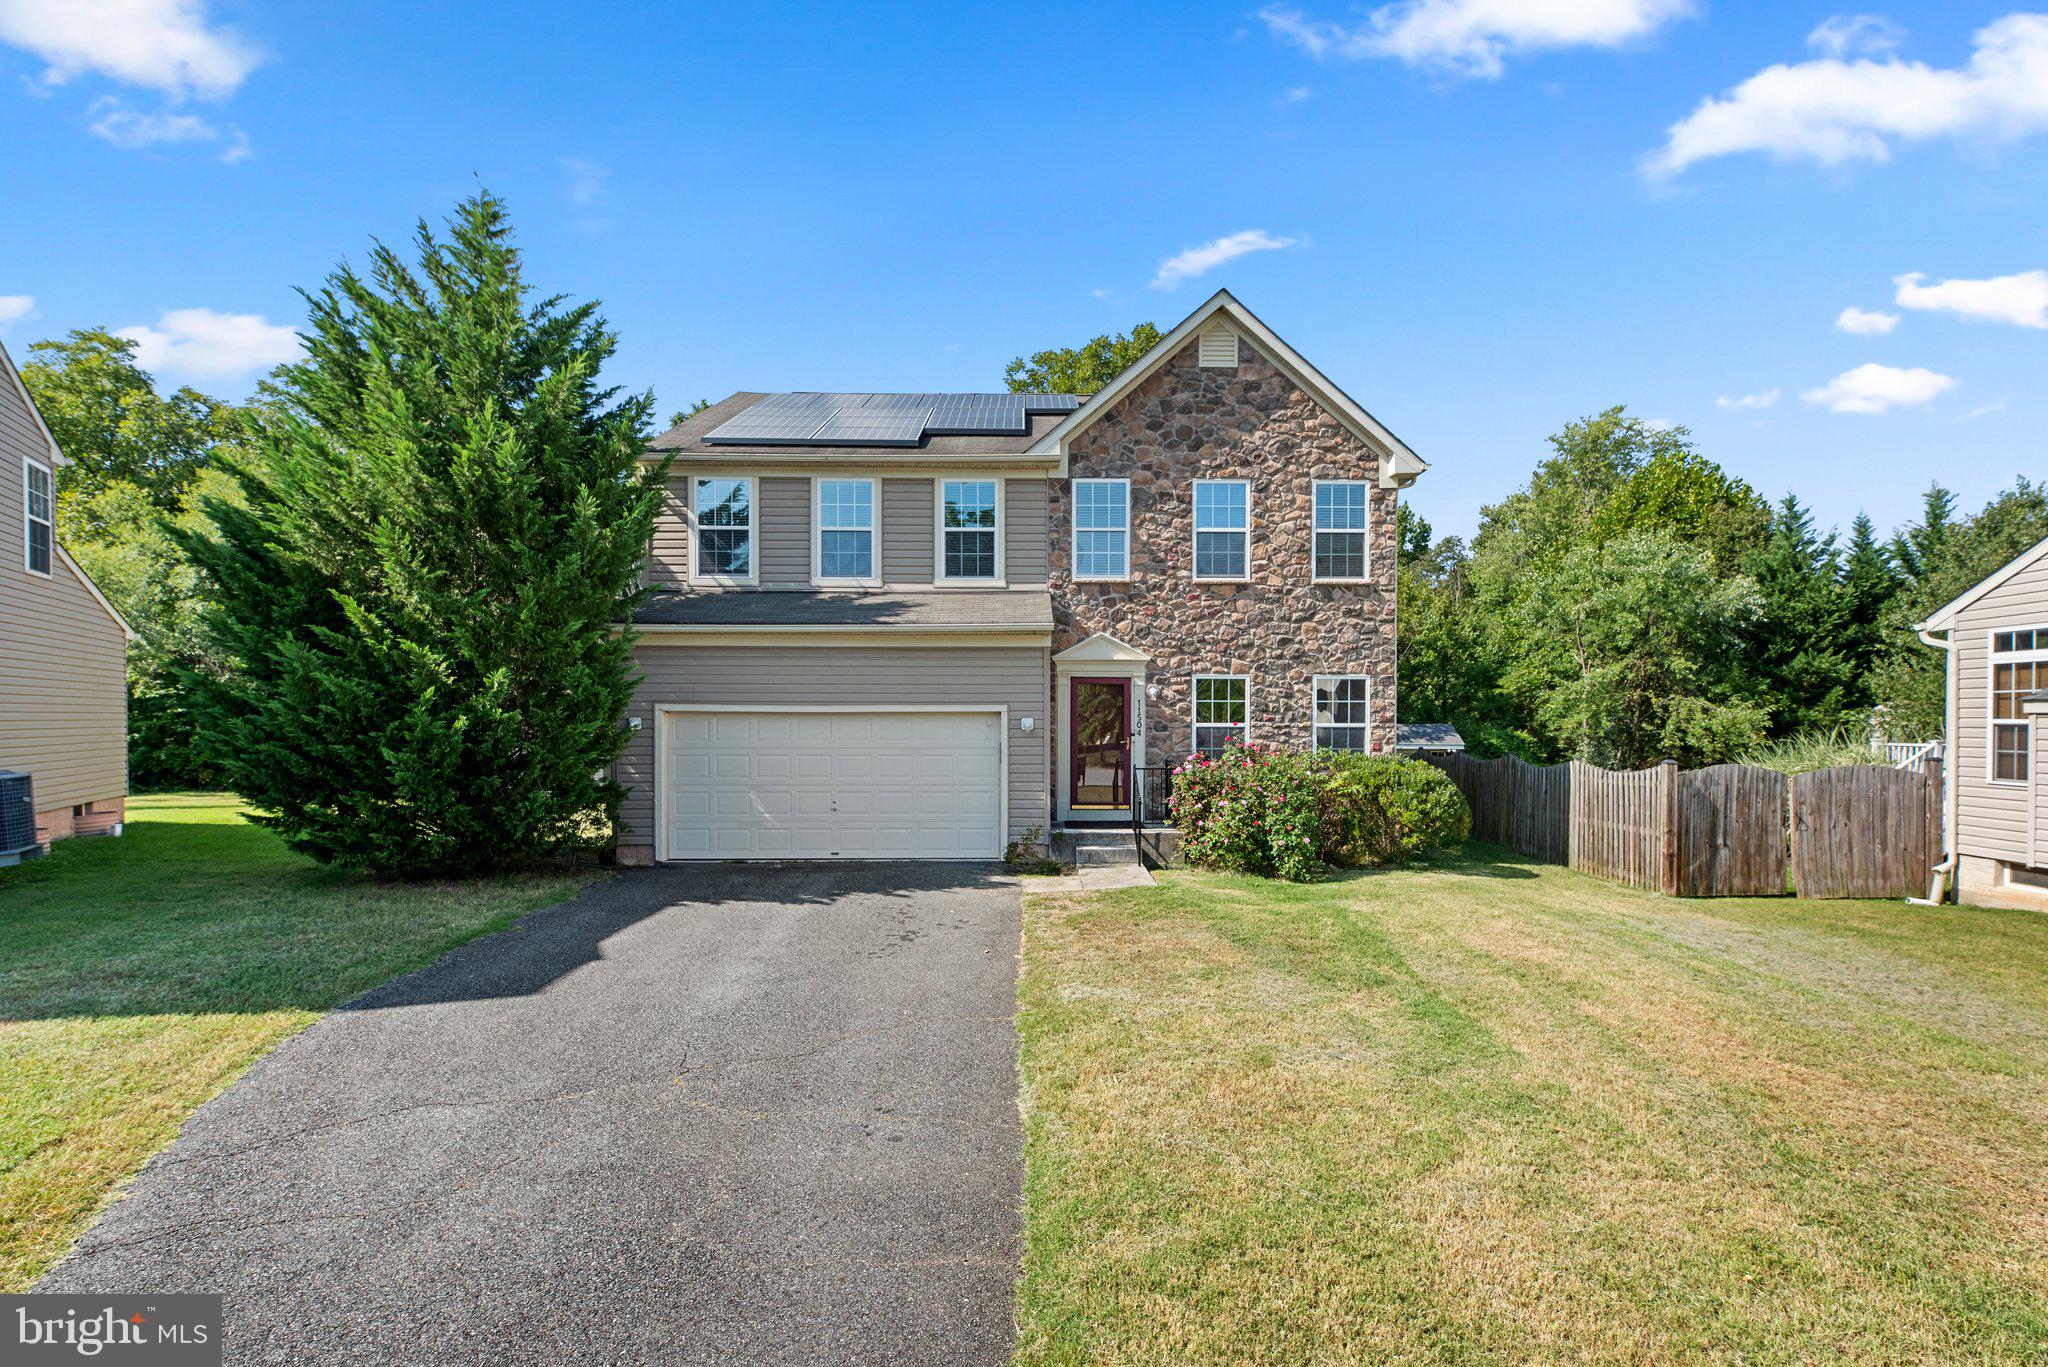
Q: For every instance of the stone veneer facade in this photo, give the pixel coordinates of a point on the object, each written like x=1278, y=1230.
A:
x=1252, y=423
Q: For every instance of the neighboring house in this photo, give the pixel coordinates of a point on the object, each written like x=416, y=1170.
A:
x=1428, y=738
x=897, y=625
x=63, y=648
x=1996, y=636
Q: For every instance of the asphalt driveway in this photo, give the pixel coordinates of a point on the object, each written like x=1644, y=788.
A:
x=700, y=1114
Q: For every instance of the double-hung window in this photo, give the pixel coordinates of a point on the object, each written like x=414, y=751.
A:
x=970, y=529
x=1223, y=529
x=1222, y=715
x=1340, y=551
x=844, y=514
x=40, y=516
x=2019, y=666
x=1102, y=529
x=723, y=509
x=1343, y=712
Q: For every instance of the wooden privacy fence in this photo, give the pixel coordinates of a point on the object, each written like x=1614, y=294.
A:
x=1731, y=830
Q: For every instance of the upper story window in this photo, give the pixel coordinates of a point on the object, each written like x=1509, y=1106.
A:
x=844, y=515
x=1102, y=529
x=722, y=507
x=1340, y=532
x=41, y=520
x=1343, y=712
x=1223, y=529
x=1222, y=712
x=970, y=529
x=2019, y=666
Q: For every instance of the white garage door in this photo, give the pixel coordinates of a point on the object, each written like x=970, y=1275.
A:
x=833, y=785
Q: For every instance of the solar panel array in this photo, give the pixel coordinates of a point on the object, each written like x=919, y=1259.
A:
x=810, y=419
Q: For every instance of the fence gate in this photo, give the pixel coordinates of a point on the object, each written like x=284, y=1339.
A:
x=1865, y=831
x=1730, y=831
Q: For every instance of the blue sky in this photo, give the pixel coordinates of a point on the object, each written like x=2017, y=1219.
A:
x=1481, y=217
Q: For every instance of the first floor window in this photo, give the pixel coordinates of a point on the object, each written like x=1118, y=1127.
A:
x=1340, y=529
x=40, y=519
x=1102, y=528
x=725, y=528
x=967, y=528
x=1222, y=529
x=1343, y=712
x=1221, y=716
x=2011, y=732
x=846, y=529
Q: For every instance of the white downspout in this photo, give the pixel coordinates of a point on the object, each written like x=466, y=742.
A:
x=1937, y=889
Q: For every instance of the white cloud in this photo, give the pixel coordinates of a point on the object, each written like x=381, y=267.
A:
x=1207, y=257
x=1853, y=35
x=2021, y=300
x=588, y=180
x=15, y=307
x=1298, y=93
x=1763, y=400
x=134, y=129
x=1833, y=110
x=1474, y=37
x=1873, y=388
x=165, y=45
x=1983, y=411
x=203, y=345
x=1865, y=322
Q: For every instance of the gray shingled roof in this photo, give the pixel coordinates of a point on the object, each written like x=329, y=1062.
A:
x=996, y=609
x=685, y=440
x=1427, y=735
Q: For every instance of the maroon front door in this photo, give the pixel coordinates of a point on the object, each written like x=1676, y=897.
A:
x=1099, y=745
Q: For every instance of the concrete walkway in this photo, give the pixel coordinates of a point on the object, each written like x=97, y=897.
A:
x=700, y=1114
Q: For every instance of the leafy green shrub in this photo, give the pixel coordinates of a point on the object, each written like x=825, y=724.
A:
x=1380, y=809
x=1253, y=810
x=1811, y=750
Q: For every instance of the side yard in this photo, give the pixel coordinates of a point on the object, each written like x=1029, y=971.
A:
x=140, y=976
x=1490, y=1110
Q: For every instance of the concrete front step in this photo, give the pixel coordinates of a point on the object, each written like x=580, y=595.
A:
x=1094, y=849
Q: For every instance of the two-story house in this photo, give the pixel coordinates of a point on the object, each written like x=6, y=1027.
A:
x=925, y=625
x=63, y=648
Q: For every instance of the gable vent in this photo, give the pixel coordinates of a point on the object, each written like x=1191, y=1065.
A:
x=1218, y=349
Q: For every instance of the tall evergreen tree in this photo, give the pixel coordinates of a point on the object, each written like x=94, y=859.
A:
x=444, y=517
x=1797, y=645
x=1869, y=583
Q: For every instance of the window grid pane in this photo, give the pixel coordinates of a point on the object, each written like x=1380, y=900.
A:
x=725, y=521
x=846, y=555
x=1099, y=504
x=38, y=494
x=846, y=504
x=2009, y=751
x=1099, y=555
x=1222, y=506
x=1220, y=555
x=1340, y=507
x=970, y=555
x=1340, y=555
x=969, y=519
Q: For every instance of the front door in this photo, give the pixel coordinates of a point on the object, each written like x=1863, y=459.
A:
x=1099, y=760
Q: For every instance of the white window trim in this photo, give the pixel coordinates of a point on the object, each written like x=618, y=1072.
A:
x=1315, y=684
x=28, y=520
x=1314, y=532
x=939, y=575
x=1992, y=659
x=1195, y=724
x=1195, y=530
x=753, y=576
x=1074, y=526
x=818, y=575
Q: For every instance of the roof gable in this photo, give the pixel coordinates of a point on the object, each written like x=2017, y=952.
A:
x=1102, y=648
x=1399, y=466
x=1944, y=616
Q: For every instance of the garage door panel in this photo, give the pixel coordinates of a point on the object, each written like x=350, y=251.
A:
x=746, y=785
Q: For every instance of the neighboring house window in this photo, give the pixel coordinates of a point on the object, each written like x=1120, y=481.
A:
x=1223, y=524
x=969, y=528
x=845, y=518
x=2019, y=666
x=1340, y=551
x=1102, y=529
x=40, y=519
x=724, y=507
x=1221, y=716
x=1343, y=712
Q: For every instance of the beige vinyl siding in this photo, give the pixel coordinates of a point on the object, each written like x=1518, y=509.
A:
x=63, y=675
x=909, y=531
x=1991, y=819
x=816, y=676
x=782, y=533
x=1025, y=534
x=668, y=558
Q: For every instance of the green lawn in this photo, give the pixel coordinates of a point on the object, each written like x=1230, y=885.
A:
x=140, y=976
x=1489, y=1111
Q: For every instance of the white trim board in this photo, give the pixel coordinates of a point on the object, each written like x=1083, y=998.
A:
x=1399, y=466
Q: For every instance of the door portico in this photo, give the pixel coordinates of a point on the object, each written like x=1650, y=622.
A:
x=1096, y=667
